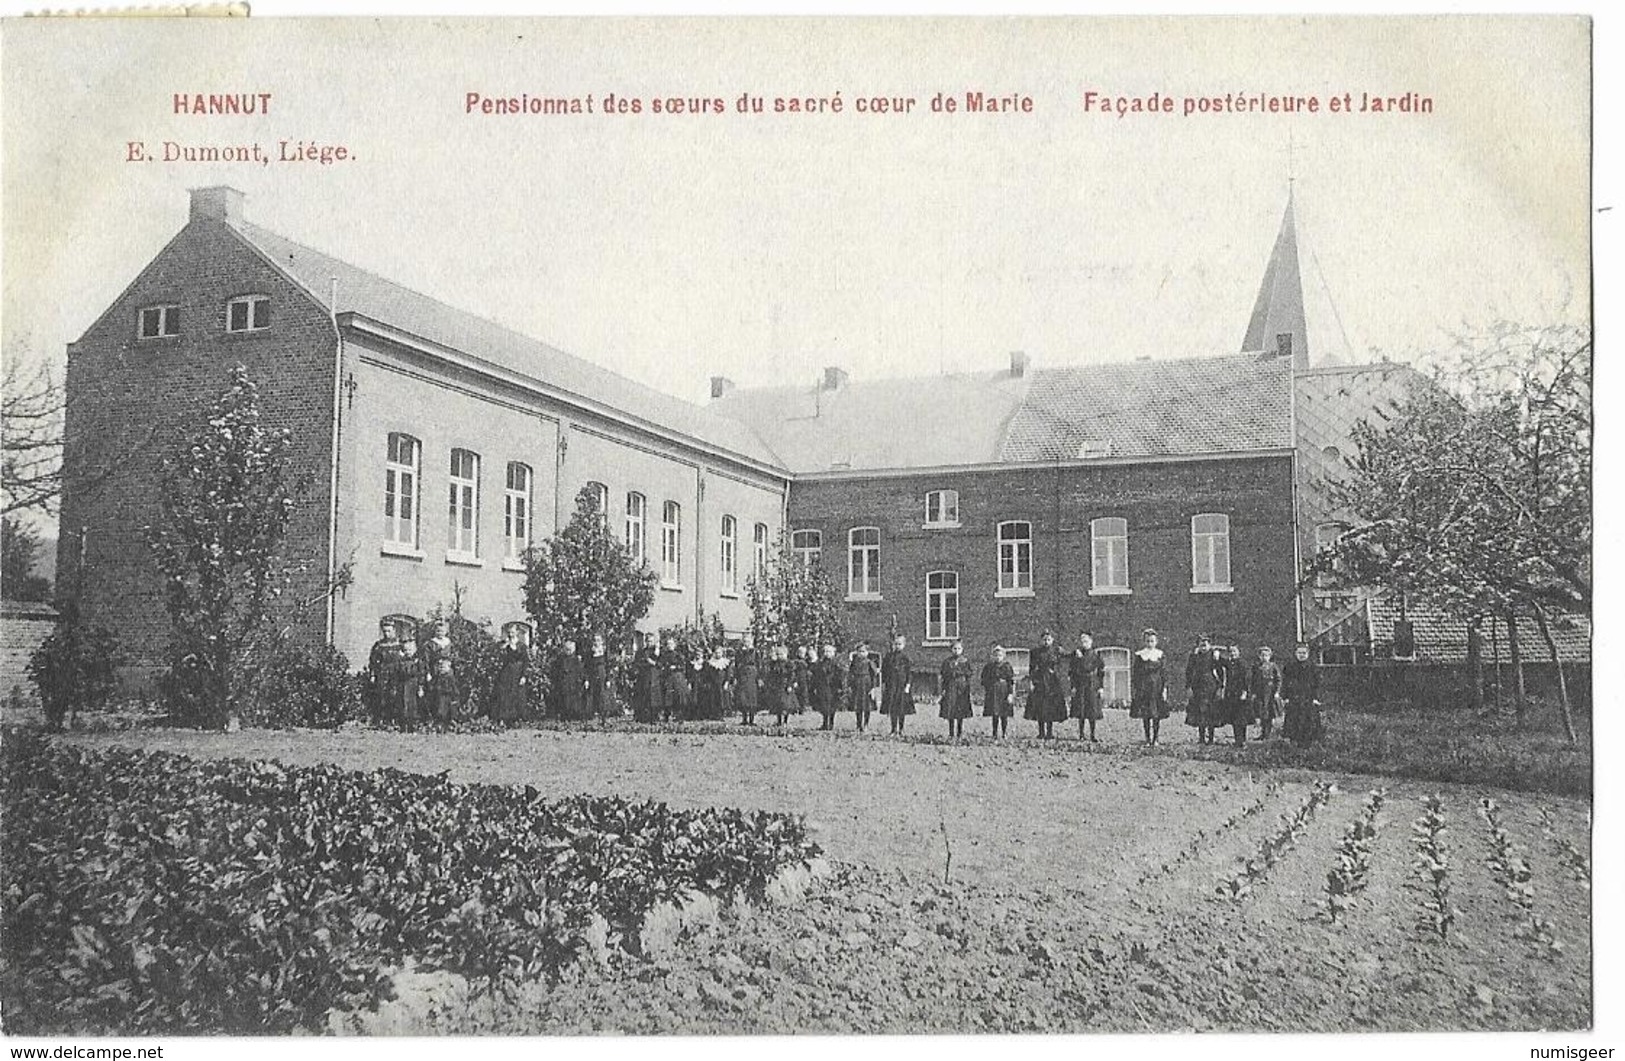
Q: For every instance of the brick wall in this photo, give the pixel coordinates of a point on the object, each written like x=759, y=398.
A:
x=23, y=625
x=123, y=391
x=1158, y=501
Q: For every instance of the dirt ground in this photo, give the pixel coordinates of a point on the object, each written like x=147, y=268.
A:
x=1081, y=888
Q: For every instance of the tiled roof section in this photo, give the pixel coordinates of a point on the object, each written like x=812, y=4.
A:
x=369, y=295
x=1194, y=406
x=1441, y=638
x=925, y=422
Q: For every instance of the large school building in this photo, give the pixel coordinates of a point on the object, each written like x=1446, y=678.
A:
x=1180, y=494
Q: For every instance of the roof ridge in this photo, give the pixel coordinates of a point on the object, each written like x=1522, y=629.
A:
x=256, y=235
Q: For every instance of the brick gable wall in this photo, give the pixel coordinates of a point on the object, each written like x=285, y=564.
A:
x=122, y=390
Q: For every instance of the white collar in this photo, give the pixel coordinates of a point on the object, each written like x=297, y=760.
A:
x=1149, y=654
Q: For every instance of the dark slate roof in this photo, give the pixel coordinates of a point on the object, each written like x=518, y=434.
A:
x=1441, y=638
x=925, y=422
x=1195, y=406
x=386, y=302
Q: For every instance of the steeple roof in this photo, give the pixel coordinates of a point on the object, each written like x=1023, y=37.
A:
x=1279, y=309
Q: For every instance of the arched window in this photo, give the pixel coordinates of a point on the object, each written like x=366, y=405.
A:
x=863, y=567
x=463, y=522
x=941, y=605
x=1117, y=676
x=671, y=541
x=807, y=546
x=759, y=554
x=1108, y=547
x=1210, y=551
x=637, y=517
x=1015, y=558
x=600, y=499
x=401, y=465
x=730, y=555
x=516, y=511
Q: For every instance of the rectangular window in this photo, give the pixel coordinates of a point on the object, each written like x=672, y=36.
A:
x=401, y=490
x=941, y=606
x=637, y=515
x=863, y=555
x=1117, y=676
x=251, y=313
x=1326, y=537
x=1108, y=538
x=600, y=499
x=942, y=508
x=1210, y=551
x=1015, y=558
x=759, y=543
x=671, y=540
x=159, y=322
x=516, y=511
x=463, y=512
x=730, y=555
x=807, y=546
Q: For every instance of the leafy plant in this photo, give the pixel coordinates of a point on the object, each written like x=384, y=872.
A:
x=148, y=893
x=1511, y=870
x=1274, y=847
x=1572, y=858
x=794, y=603
x=74, y=668
x=1432, y=871
x=1347, y=878
x=297, y=686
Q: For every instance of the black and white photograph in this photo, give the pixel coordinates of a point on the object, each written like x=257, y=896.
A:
x=759, y=526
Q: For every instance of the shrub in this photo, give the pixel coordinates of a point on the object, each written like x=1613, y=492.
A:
x=74, y=668
x=147, y=893
x=298, y=686
x=476, y=653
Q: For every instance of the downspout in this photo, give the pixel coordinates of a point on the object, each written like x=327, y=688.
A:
x=333, y=463
x=1297, y=503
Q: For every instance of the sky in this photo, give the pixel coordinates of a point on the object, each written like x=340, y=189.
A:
x=762, y=247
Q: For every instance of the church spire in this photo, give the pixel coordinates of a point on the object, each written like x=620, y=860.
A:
x=1277, y=325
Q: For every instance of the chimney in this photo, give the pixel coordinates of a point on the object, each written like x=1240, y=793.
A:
x=1283, y=345
x=720, y=386
x=834, y=378
x=1018, y=364
x=218, y=203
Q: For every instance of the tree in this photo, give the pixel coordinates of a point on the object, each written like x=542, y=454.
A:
x=1475, y=492
x=39, y=459
x=582, y=582
x=20, y=547
x=225, y=502
x=794, y=603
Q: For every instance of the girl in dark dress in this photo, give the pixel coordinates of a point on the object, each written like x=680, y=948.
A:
x=896, y=684
x=569, y=692
x=998, y=685
x=956, y=679
x=775, y=684
x=648, y=688
x=383, y=698
x=828, y=684
x=862, y=679
x=409, y=685
x=1264, y=691
x=1148, y=686
x=712, y=686
x=1087, y=671
x=1236, y=710
x=1300, y=685
x=803, y=665
x=1204, y=677
x=1046, y=704
x=599, y=701
x=747, y=680
x=678, y=701
x=508, y=704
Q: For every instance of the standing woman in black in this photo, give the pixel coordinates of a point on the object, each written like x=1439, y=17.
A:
x=998, y=685
x=1300, y=688
x=956, y=679
x=598, y=691
x=1088, y=673
x=674, y=676
x=897, y=683
x=1046, y=704
x=508, y=705
x=1148, y=686
x=648, y=692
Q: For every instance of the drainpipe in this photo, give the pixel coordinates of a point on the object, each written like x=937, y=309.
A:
x=333, y=463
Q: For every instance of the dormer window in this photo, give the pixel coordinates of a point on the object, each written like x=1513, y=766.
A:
x=159, y=322
x=1094, y=448
x=250, y=313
